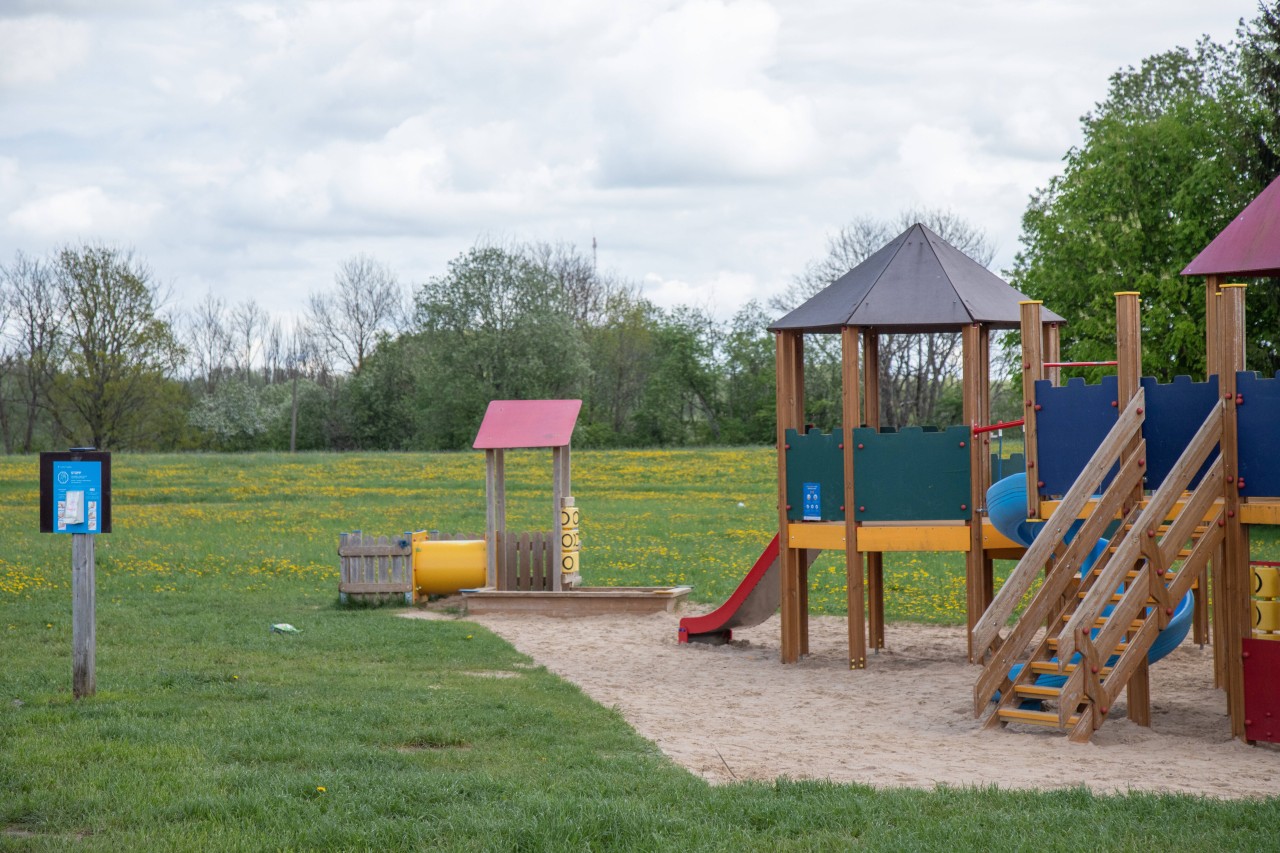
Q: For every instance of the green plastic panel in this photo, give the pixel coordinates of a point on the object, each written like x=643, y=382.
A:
x=815, y=476
x=912, y=474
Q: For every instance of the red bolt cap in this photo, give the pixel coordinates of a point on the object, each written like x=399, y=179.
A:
x=1231, y=513
x=1142, y=462
x=1084, y=631
x=1239, y=399
x=1104, y=710
x=1031, y=463
x=860, y=446
x=1139, y=411
x=842, y=507
x=1244, y=654
x=1240, y=483
x=1093, y=669
x=788, y=506
x=1151, y=534
x=1039, y=484
x=964, y=506
x=1168, y=611
x=1028, y=404
x=1221, y=523
x=962, y=444
x=786, y=447
x=862, y=509
x=1039, y=407
x=1115, y=404
x=1248, y=722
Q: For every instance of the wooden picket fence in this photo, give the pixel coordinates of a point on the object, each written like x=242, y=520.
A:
x=528, y=565
x=375, y=569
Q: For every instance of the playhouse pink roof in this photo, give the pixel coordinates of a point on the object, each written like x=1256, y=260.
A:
x=1250, y=245
x=510, y=424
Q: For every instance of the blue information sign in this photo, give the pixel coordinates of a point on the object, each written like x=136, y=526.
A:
x=812, y=502
x=77, y=496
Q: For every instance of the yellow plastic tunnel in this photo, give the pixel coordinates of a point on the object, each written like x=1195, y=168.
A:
x=1266, y=615
x=442, y=567
x=1266, y=581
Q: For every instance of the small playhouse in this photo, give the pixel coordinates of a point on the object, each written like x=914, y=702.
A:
x=530, y=572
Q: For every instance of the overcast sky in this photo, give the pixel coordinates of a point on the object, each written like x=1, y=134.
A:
x=709, y=146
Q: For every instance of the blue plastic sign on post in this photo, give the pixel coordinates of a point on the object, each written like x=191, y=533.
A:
x=77, y=496
x=812, y=502
x=75, y=491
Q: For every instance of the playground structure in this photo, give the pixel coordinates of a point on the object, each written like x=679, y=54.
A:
x=1173, y=475
x=536, y=573
x=912, y=489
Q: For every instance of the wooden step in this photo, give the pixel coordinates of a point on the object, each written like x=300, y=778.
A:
x=1044, y=667
x=1036, y=718
x=1101, y=621
x=1037, y=691
x=1052, y=643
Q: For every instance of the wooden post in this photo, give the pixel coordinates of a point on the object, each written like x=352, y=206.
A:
x=871, y=417
x=559, y=491
x=1051, y=350
x=1032, y=371
x=1128, y=381
x=974, y=342
x=1231, y=585
x=1212, y=300
x=495, y=519
x=788, y=366
x=84, y=641
x=852, y=556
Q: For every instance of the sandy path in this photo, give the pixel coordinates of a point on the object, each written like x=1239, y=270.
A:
x=734, y=712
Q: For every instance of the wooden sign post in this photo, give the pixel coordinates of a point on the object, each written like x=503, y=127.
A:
x=75, y=498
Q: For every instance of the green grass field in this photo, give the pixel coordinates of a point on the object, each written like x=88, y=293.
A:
x=367, y=731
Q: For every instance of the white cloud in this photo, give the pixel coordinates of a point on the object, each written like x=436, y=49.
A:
x=83, y=212
x=40, y=49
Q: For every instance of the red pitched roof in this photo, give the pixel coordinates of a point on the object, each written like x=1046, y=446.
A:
x=1250, y=245
x=511, y=424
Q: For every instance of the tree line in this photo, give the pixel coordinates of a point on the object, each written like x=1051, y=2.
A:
x=91, y=352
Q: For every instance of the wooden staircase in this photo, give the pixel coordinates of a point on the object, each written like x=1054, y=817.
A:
x=1084, y=634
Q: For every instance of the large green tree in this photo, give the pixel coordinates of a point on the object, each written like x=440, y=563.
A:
x=494, y=326
x=1167, y=160
x=115, y=388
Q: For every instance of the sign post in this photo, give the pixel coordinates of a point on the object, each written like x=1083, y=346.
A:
x=75, y=498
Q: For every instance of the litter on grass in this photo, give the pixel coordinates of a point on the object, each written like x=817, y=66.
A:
x=284, y=628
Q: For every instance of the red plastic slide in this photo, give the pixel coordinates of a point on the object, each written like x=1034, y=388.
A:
x=754, y=601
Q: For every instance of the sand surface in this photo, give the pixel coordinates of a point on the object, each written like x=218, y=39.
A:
x=734, y=712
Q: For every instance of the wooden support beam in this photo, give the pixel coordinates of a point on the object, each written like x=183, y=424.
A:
x=1051, y=350
x=495, y=518
x=871, y=417
x=1231, y=587
x=788, y=349
x=1128, y=381
x=1032, y=370
x=974, y=340
x=852, y=556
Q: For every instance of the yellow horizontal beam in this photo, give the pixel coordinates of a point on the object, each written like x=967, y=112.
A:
x=924, y=537
x=1260, y=513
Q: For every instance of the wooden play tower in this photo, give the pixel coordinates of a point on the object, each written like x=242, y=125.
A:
x=1174, y=475
x=917, y=283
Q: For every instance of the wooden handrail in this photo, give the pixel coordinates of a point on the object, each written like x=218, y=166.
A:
x=1147, y=524
x=1066, y=513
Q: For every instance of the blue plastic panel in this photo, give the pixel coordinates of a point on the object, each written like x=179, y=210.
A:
x=1259, y=430
x=1072, y=422
x=1174, y=413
